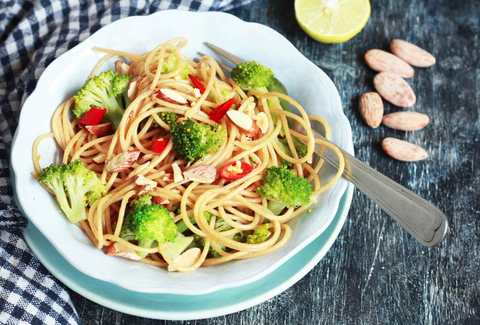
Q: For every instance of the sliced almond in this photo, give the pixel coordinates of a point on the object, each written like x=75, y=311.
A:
x=186, y=259
x=205, y=174
x=412, y=54
x=197, y=93
x=122, y=67
x=172, y=96
x=146, y=184
x=394, y=89
x=381, y=61
x=371, y=109
x=177, y=173
x=262, y=121
x=403, y=150
x=123, y=161
x=116, y=249
x=240, y=119
x=100, y=130
x=132, y=89
x=406, y=121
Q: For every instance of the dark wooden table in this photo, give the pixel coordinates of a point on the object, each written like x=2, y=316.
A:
x=375, y=273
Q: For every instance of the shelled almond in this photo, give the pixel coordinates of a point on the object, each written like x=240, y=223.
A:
x=383, y=61
x=371, y=109
x=406, y=121
x=394, y=89
x=403, y=150
x=412, y=54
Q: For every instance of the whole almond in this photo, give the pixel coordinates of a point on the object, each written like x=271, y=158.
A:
x=403, y=150
x=371, y=109
x=406, y=121
x=412, y=54
x=380, y=61
x=394, y=89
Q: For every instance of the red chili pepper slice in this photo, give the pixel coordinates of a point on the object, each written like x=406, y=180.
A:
x=93, y=116
x=157, y=200
x=158, y=145
x=99, y=130
x=218, y=112
x=197, y=83
x=228, y=173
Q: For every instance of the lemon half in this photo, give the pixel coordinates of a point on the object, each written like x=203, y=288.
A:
x=332, y=21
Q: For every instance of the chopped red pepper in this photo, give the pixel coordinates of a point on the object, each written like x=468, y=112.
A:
x=93, y=116
x=230, y=173
x=218, y=112
x=157, y=200
x=197, y=83
x=158, y=145
x=99, y=130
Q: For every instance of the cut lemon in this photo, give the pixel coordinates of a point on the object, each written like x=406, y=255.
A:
x=332, y=21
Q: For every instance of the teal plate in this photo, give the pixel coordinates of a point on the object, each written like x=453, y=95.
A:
x=181, y=307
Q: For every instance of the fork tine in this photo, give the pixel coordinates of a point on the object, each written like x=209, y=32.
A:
x=227, y=55
x=222, y=65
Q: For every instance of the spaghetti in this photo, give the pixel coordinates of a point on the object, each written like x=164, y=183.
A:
x=235, y=203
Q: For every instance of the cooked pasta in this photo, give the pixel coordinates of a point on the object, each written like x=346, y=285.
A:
x=215, y=198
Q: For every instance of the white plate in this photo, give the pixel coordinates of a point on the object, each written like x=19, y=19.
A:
x=305, y=82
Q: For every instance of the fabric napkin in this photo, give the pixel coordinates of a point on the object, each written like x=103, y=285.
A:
x=32, y=35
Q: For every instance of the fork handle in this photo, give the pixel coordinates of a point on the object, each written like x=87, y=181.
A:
x=420, y=218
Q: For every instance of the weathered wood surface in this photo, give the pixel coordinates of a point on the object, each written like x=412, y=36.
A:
x=376, y=273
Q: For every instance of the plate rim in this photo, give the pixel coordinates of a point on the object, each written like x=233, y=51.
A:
x=206, y=312
x=337, y=102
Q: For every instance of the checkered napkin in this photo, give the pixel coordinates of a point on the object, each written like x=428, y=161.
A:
x=33, y=34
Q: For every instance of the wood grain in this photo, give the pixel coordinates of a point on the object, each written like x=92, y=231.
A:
x=376, y=273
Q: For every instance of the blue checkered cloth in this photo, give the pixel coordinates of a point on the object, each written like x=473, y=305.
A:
x=33, y=34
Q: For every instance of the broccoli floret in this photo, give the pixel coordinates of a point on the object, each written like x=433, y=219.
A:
x=142, y=200
x=193, y=140
x=282, y=185
x=299, y=146
x=261, y=234
x=149, y=224
x=74, y=186
x=171, y=63
x=169, y=118
x=252, y=75
x=105, y=90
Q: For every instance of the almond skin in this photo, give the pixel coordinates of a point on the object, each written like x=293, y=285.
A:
x=406, y=121
x=380, y=61
x=412, y=54
x=371, y=109
x=403, y=150
x=394, y=89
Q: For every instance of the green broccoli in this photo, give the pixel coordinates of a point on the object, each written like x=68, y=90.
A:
x=251, y=75
x=74, y=186
x=105, y=90
x=299, y=146
x=142, y=200
x=169, y=118
x=282, y=186
x=171, y=64
x=149, y=224
x=193, y=140
x=261, y=234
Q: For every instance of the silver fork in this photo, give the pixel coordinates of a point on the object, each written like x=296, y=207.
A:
x=420, y=218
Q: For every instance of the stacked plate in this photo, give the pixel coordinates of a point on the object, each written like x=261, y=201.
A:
x=141, y=289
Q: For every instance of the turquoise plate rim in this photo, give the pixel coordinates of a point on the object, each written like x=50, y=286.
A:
x=183, y=307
